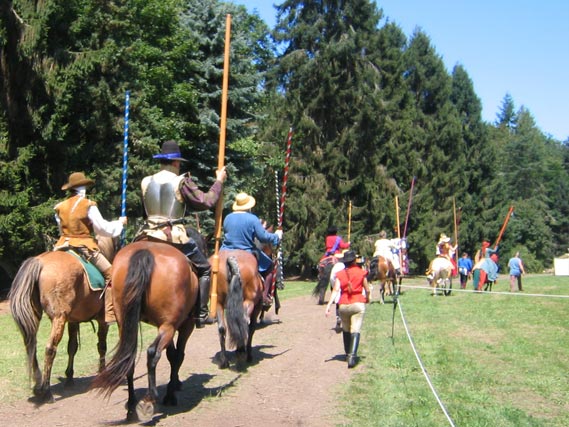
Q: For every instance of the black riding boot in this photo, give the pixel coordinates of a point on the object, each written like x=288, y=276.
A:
x=347, y=337
x=203, y=316
x=353, y=354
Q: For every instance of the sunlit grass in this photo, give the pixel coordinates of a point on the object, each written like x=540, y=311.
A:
x=494, y=360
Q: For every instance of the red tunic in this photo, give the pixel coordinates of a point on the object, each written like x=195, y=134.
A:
x=331, y=241
x=356, y=275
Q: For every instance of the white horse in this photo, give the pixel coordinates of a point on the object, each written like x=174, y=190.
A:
x=441, y=268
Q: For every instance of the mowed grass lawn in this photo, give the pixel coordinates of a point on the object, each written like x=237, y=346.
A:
x=493, y=359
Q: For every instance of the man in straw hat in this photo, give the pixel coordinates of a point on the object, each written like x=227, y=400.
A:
x=241, y=228
x=78, y=218
x=165, y=196
x=444, y=250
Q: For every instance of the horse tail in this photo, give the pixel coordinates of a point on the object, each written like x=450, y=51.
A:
x=137, y=280
x=25, y=304
x=234, y=312
x=323, y=281
x=373, y=268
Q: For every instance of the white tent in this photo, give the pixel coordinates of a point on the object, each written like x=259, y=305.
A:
x=561, y=265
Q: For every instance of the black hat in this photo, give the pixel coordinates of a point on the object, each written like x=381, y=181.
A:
x=170, y=151
x=332, y=230
x=349, y=256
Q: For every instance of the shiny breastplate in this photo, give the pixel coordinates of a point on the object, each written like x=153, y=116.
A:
x=160, y=200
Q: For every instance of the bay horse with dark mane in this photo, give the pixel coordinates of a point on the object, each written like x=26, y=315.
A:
x=56, y=283
x=382, y=270
x=239, y=301
x=153, y=282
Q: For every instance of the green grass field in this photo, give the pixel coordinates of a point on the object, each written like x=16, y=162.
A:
x=493, y=359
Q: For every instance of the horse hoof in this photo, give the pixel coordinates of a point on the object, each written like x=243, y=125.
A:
x=170, y=400
x=43, y=396
x=131, y=416
x=145, y=411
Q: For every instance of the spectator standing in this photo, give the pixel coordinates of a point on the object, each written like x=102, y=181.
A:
x=516, y=270
x=464, y=269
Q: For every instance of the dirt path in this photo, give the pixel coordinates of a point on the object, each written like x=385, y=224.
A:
x=292, y=381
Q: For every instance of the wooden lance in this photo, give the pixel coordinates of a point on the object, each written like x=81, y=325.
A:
x=455, y=230
x=398, y=232
x=510, y=212
x=408, y=207
x=349, y=220
x=220, y=165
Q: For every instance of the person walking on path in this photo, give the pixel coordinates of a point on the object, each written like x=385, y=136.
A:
x=516, y=270
x=353, y=286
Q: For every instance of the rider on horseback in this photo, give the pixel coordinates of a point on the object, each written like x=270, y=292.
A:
x=241, y=228
x=444, y=250
x=165, y=196
x=388, y=250
x=78, y=218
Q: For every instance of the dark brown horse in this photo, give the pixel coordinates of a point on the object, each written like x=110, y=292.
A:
x=383, y=271
x=239, y=301
x=154, y=283
x=56, y=283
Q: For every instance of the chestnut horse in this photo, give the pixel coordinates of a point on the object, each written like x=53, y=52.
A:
x=382, y=270
x=153, y=282
x=56, y=283
x=239, y=301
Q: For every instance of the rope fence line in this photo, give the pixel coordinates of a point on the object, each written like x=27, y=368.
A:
x=513, y=294
x=423, y=369
x=397, y=303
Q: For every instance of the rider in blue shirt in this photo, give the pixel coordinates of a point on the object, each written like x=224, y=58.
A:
x=241, y=228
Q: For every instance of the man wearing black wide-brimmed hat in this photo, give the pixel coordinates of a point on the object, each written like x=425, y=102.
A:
x=165, y=195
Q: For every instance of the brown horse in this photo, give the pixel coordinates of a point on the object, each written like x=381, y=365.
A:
x=382, y=270
x=55, y=282
x=154, y=283
x=239, y=301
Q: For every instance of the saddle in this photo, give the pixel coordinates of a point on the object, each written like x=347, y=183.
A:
x=94, y=276
x=148, y=238
x=325, y=262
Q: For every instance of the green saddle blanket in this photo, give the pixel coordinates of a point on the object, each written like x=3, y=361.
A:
x=94, y=276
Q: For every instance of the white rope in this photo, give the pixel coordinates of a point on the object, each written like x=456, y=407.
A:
x=423, y=367
x=518, y=294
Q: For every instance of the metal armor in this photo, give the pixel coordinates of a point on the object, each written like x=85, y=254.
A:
x=160, y=199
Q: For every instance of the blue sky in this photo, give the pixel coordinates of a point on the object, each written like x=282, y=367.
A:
x=517, y=47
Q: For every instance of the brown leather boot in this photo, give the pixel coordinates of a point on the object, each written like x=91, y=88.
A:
x=109, y=308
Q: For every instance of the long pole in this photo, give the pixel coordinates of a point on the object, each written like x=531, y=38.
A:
x=349, y=220
x=408, y=207
x=125, y=160
x=510, y=211
x=285, y=176
x=281, y=206
x=220, y=164
x=398, y=232
x=455, y=230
